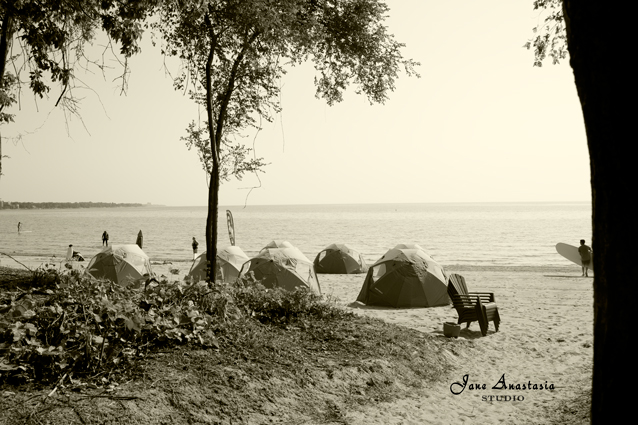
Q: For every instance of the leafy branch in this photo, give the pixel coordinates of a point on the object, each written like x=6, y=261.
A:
x=73, y=324
x=551, y=35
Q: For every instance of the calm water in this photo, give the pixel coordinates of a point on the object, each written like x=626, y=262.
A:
x=495, y=234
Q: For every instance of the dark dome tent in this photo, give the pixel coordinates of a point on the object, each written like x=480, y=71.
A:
x=340, y=259
x=405, y=277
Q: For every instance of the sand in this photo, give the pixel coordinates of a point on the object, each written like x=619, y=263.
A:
x=545, y=339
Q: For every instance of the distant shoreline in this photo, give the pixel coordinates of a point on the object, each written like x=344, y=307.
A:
x=9, y=205
x=6, y=205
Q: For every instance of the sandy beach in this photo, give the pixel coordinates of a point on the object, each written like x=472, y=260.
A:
x=545, y=341
x=545, y=338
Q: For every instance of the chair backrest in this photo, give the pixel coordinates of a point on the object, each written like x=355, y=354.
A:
x=456, y=285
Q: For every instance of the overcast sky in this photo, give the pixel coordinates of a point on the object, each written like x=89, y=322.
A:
x=480, y=125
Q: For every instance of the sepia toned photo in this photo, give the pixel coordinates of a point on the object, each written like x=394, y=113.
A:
x=314, y=212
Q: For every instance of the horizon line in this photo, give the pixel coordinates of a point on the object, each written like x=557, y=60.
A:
x=150, y=204
x=382, y=203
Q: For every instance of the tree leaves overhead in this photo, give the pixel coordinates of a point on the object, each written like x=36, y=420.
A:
x=354, y=47
x=235, y=159
x=550, y=35
x=250, y=43
x=45, y=40
x=48, y=37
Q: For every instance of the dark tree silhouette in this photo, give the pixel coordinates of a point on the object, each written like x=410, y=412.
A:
x=598, y=41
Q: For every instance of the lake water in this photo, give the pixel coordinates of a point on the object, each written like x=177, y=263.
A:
x=473, y=234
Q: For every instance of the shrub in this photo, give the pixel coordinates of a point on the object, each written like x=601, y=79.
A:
x=279, y=306
x=86, y=325
x=89, y=327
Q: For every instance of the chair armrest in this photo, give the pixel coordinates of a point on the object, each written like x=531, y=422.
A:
x=466, y=300
x=484, y=295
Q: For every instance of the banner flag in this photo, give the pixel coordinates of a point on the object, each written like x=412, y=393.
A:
x=231, y=227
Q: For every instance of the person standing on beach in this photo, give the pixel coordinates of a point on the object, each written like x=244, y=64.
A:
x=105, y=238
x=585, y=256
x=195, y=245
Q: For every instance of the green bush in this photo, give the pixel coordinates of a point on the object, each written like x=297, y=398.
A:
x=278, y=306
x=91, y=327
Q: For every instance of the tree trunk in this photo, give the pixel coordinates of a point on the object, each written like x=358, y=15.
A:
x=213, y=185
x=215, y=134
x=211, y=222
x=6, y=36
x=601, y=71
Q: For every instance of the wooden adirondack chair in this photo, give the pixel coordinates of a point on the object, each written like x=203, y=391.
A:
x=472, y=306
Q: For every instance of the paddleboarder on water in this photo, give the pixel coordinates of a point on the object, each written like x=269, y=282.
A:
x=19, y=226
x=585, y=256
x=195, y=244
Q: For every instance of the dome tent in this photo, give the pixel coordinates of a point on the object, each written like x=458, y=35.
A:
x=120, y=264
x=229, y=263
x=277, y=244
x=340, y=259
x=405, y=277
x=408, y=246
x=285, y=268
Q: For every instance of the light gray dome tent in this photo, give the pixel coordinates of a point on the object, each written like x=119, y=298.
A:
x=277, y=244
x=285, y=268
x=120, y=264
x=229, y=263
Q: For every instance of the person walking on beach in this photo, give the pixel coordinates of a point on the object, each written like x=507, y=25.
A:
x=195, y=245
x=585, y=256
x=105, y=238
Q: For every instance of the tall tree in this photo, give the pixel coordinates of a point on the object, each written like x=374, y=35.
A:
x=597, y=38
x=46, y=39
x=234, y=52
x=599, y=43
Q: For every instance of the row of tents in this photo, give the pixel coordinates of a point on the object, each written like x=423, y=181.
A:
x=405, y=276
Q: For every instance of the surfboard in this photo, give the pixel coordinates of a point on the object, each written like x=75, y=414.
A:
x=571, y=253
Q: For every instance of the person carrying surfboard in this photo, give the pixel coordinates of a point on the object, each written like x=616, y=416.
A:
x=585, y=256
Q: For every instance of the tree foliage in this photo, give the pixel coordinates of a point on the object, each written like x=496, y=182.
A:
x=550, y=38
x=42, y=42
x=47, y=39
x=234, y=54
x=235, y=159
